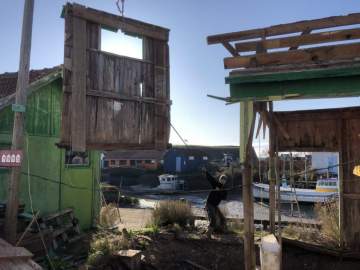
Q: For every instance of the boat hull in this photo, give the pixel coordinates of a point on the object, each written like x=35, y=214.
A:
x=261, y=191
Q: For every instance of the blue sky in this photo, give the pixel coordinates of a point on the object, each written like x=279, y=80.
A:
x=196, y=68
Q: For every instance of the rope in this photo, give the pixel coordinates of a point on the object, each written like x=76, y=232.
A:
x=120, y=8
x=177, y=133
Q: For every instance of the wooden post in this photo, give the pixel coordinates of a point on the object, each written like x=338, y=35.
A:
x=341, y=132
x=18, y=129
x=278, y=183
x=247, y=123
x=272, y=199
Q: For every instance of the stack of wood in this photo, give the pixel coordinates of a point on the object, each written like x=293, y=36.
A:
x=64, y=227
x=3, y=209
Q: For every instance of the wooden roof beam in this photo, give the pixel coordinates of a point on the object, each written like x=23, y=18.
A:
x=230, y=48
x=312, y=55
x=127, y=25
x=288, y=28
x=304, y=39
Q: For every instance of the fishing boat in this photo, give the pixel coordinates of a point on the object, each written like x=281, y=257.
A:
x=170, y=182
x=326, y=189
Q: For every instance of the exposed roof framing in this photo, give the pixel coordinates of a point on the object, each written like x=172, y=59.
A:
x=127, y=25
x=282, y=44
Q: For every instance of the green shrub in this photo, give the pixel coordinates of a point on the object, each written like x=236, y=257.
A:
x=171, y=213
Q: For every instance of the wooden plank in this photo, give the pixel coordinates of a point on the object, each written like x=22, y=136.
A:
x=14, y=253
x=78, y=96
x=305, y=32
x=127, y=25
x=248, y=132
x=301, y=40
x=352, y=196
x=350, y=156
x=112, y=146
x=230, y=48
x=312, y=55
x=272, y=176
x=288, y=28
x=114, y=96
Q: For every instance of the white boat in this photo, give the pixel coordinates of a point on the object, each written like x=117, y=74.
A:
x=170, y=182
x=325, y=190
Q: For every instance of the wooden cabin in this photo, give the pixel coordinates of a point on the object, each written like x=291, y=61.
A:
x=58, y=178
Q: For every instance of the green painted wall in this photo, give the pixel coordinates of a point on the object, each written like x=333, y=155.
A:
x=53, y=185
x=314, y=83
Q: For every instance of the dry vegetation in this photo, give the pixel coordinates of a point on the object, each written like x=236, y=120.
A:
x=109, y=216
x=328, y=214
x=171, y=213
x=329, y=232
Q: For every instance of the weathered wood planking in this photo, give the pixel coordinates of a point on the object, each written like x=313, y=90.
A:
x=78, y=86
x=296, y=41
x=128, y=25
x=336, y=130
x=127, y=100
x=350, y=156
x=292, y=36
x=287, y=28
x=312, y=55
x=314, y=130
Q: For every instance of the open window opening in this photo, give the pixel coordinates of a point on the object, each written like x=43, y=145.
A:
x=77, y=158
x=301, y=169
x=309, y=182
x=121, y=44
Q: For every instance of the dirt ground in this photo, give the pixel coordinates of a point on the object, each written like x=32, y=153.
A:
x=168, y=252
x=194, y=251
x=134, y=219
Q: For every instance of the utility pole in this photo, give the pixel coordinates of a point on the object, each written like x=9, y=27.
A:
x=10, y=227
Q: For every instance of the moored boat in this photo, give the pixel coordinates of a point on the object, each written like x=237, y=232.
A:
x=170, y=182
x=326, y=189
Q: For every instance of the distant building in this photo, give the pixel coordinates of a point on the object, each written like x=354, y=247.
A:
x=141, y=159
x=324, y=162
x=187, y=159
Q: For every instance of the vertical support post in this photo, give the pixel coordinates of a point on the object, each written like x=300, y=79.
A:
x=305, y=172
x=10, y=227
x=272, y=177
x=277, y=177
x=247, y=121
x=341, y=130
